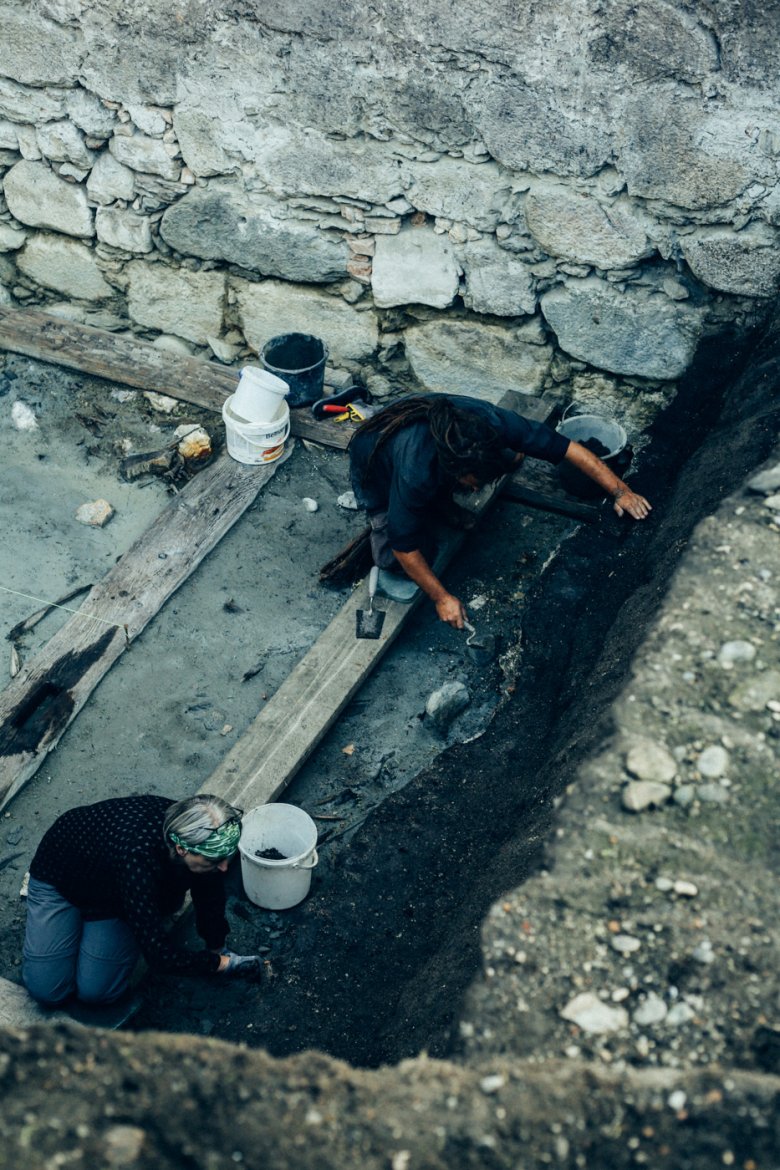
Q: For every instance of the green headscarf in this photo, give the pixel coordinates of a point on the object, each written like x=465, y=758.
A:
x=222, y=843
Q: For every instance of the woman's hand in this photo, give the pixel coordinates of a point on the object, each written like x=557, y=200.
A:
x=232, y=964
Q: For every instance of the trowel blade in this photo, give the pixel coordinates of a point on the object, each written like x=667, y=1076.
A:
x=369, y=622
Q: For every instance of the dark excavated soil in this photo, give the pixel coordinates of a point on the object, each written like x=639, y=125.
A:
x=375, y=970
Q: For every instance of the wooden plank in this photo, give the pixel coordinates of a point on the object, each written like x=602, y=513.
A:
x=45, y=697
x=287, y=730
x=132, y=362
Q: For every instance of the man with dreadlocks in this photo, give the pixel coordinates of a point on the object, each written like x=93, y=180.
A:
x=407, y=459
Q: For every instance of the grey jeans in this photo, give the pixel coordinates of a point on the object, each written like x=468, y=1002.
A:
x=64, y=955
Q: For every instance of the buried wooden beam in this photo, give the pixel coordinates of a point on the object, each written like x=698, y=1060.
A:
x=129, y=360
x=518, y=492
x=47, y=694
x=290, y=726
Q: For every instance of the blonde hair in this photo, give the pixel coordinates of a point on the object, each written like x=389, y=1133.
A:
x=195, y=818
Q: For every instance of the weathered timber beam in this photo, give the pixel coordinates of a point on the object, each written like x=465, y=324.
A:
x=126, y=359
x=45, y=697
x=517, y=492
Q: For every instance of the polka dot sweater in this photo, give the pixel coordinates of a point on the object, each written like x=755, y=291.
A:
x=110, y=860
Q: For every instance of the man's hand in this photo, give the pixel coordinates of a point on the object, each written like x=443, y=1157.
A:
x=624, y=500
x=451, y=611
x=448, y=607
x=627, y=501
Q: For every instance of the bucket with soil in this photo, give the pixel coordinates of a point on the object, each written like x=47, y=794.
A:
x=603, y=437
x=278, y=849
x=299, y=359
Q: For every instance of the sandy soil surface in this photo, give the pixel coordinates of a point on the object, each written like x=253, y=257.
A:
x=170, y=709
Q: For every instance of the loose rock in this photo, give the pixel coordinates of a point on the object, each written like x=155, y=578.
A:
x=714, y=761
x=652, y=1011
x=639, y=795
x=732, y=652
x=591, y=1014
x=95, y=513
x=648, y=760
x=443, y=705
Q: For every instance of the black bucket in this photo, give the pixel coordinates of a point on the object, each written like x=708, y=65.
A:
x=299, y=360
x=604, y=438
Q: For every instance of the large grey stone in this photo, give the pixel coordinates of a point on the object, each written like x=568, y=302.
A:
x=578, y=227
x=533, y=127
x=470, y=193
x=673, y=150
x=123, y=229
x=633, y=332
x=496, y=281
x=652, y=41
x=90, y=115
x=292, y=161
x=26, y=103
x=201, y=133
x=188, y=304
x=11, y=237
x=62, y=141
x=9, y=135
x=65, y=265
x=467, y=357
x=415, y=267
x=109, y=180
x=39, y=55
x=274, y=307
x=147, y=155
x=37, y=197
x=224, y=223
x=745, y=262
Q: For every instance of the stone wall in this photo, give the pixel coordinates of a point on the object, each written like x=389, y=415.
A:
x=473, y=198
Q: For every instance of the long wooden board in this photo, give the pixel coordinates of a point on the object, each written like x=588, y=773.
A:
x=126, y=359
x=44, y=698
x=287, y=730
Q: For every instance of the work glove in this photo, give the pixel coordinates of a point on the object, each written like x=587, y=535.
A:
x=247, y=965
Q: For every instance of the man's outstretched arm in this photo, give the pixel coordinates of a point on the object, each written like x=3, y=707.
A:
x=448, y=607
x=624, y=500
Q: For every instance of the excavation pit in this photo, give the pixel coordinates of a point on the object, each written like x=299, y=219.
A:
x=373, y=966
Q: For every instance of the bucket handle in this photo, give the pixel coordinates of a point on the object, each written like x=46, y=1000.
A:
x=578, y=408
x=307, y=865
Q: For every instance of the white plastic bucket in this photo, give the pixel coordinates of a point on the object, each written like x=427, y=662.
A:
x=255, y=442
x=258, y=395
x=277, y=884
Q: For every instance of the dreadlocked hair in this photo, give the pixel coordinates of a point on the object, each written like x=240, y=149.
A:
x=466, y=443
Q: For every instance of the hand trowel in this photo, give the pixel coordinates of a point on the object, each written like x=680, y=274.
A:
x=369, y=622
x=481, y=649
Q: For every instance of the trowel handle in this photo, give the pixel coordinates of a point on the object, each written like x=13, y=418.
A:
x=373, y=580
